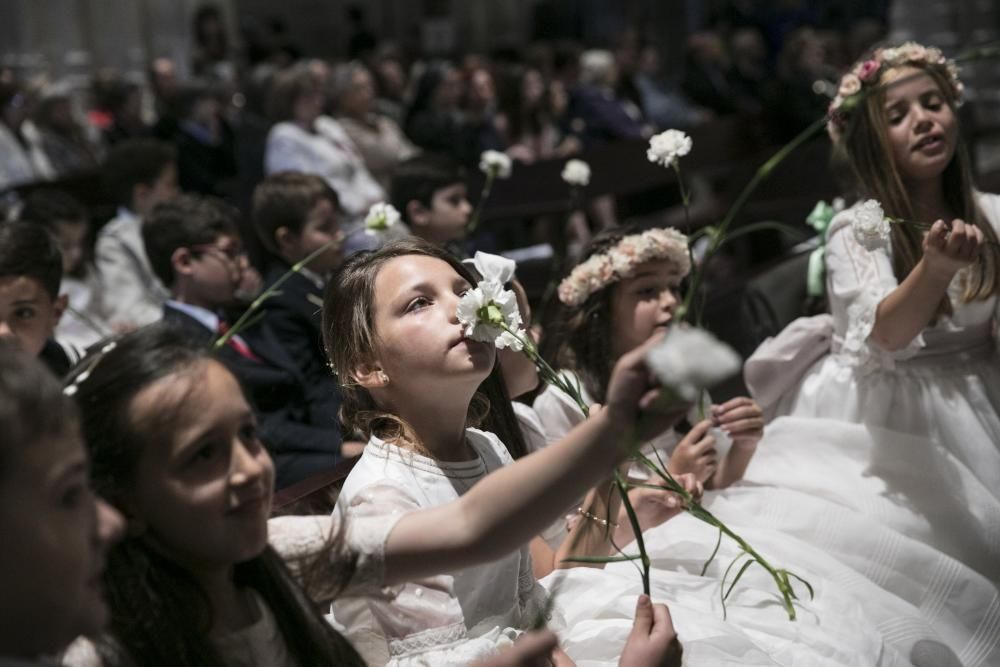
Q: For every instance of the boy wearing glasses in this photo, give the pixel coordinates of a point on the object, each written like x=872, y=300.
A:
x=195, y=249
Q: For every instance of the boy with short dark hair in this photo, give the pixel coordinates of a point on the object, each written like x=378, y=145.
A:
x=430, y=193
x=195, y=249
x=139, y=174
x=30, y=305
x=66, y=219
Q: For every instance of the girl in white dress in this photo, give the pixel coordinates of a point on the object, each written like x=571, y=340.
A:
x=625, y=290
x=173, y=446
x=911, y=344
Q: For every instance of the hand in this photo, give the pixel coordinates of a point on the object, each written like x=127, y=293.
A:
x=741, y=419
x=530, y=649
x=695, y=453
x=655, y=506
x=653, y=641
x=946, y=252
x=632, y=389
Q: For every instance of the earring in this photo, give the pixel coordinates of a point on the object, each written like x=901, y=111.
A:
x=383, y=378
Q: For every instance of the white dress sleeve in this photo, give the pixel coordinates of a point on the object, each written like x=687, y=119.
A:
x=419, y=622
x=557, y=411
x=857, y=282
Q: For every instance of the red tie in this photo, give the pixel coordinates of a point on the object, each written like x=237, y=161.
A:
x=237, y=343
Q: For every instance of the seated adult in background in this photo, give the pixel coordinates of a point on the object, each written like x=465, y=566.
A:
x=305, y=140
x=206, y=148
x=378, y=138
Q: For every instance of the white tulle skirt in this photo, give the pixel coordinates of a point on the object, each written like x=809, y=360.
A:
x=897, y=536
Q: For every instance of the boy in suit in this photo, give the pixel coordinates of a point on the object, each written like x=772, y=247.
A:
x=195, y=249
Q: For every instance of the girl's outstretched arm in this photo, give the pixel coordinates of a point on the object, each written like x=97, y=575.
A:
x=511, y=505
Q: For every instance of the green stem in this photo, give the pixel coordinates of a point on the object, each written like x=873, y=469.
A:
x=483, y=196
x=762, y=173
x=255, y=305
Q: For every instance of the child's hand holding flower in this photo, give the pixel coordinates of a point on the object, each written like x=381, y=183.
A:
x=695, y=454
x=741, y=419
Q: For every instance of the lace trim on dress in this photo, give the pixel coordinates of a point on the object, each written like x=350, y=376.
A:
x=862, y=352
x=432, y=638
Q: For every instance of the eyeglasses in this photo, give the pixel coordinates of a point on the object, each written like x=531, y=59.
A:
x=236, y=254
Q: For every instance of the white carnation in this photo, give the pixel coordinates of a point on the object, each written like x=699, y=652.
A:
x=870, y=226
x=492, y=267
x=488, y=312
x=667, y=147
x=381, y=217
x=689, y=360
x=576, y=173
x=496, y=164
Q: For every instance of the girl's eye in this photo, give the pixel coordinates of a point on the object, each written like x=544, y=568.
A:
x=204, y=453
x=417, y=304
x=648, y=292
x=24, y=313
x=73, y=496
x=248, y=434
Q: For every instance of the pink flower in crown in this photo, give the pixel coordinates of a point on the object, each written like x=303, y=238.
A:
x=849, y=85
x=867, y=70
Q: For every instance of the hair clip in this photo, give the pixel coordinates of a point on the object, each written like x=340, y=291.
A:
x=81, y=377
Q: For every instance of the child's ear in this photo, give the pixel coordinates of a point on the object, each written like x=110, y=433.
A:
x=58, y=308
x=370, y=376
x=182, y=261
x=417, y=214
x=284, y=239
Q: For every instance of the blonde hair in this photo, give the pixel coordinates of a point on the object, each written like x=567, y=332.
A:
x=865, y=143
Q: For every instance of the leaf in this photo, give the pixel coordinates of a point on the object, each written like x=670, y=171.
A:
x=715, y=551
x=738, y=575
x=808, y=586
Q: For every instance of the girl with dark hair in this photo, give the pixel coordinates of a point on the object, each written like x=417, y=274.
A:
x=418, y=388
x=173, y=447
x=625, y=290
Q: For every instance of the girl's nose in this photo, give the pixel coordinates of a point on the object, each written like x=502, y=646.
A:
x=245, y=467
x=110, y=524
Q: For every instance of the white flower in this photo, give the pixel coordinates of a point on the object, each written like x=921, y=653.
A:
x=488, y=311
x=870, y=226
x=665, y=148
x=492, y=267
x=576, y=173
x=495, y=164
x=381, y=216
x=690, y=360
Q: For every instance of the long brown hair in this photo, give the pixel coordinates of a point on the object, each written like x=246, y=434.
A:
x=866, y=145
x=160, y=615
x=350, y=339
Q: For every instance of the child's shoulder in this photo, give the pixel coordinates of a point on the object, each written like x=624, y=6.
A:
x=489, y=446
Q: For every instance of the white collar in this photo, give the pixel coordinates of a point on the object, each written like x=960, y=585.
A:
x=204, y=316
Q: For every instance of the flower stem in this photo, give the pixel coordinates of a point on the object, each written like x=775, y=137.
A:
x=762, y=173
x=483, y=196
x=273, y=290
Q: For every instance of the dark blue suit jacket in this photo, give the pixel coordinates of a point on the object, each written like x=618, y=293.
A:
x=297, y=420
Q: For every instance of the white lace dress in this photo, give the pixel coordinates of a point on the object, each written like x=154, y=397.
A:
x=944, y=385
x=450, y=619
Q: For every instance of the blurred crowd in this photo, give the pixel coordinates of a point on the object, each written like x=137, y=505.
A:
x=268, y=107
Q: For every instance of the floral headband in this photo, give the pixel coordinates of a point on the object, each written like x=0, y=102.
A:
x=866, y=74
x=620, y=262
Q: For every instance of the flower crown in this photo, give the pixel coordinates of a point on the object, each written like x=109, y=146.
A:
x=620, y=262
x=867, y=73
